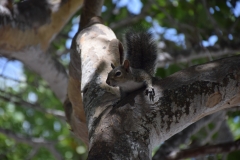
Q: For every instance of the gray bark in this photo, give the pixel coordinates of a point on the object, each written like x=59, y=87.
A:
x=131, y=129
x=73, y=105
x=170, y=146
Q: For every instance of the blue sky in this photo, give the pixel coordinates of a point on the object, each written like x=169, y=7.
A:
x=135, y=7
x=11, y=69
x=14, y=69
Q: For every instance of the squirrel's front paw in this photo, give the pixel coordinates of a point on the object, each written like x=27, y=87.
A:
x=151, y=93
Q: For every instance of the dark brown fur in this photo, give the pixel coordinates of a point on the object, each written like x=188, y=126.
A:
x=141, y=50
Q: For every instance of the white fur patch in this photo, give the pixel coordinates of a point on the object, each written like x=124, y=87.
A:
x=131, y=86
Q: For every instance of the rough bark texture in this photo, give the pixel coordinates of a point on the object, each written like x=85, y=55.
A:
x=73, y=104
x=30, y=47
x=18, y=40
x=132, y=128
x=77, y=115
x=171, y=145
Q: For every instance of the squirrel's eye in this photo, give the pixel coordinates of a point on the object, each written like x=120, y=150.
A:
x=118, y=73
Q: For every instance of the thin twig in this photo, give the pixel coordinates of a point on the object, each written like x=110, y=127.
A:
x=131, y=20
x=211, y=132
x=217, y=28
x=181, y=59
x=32, y=153
x=206, y=150
x=173, y=20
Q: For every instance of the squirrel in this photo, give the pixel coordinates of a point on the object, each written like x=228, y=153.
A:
x=138, y=67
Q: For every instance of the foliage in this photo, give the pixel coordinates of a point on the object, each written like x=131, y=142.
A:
x=184, y=29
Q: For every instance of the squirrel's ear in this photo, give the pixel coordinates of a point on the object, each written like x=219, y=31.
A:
x=112, y=66
x=126, y=65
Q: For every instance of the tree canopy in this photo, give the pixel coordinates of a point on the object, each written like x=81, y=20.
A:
x=35, y=45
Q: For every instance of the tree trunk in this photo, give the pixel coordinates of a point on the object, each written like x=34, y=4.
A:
x=131, y=129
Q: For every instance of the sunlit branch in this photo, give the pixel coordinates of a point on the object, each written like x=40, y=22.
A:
x=15, y=14
x=184, y=59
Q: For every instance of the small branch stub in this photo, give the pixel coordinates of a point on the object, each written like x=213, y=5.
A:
x=214, y=99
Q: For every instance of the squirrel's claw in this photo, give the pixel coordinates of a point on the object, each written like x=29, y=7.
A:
x=151, y=93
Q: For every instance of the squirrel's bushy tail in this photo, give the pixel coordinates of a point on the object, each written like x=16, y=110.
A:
x=141, y=50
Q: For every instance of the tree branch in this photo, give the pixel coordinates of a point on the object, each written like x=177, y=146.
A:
x=73, y=105
x=34, y=84
x=16, y=14
x=215, y=25
x=37, y=13
x=46, y=66
x=13, y=39
x=131, y=20
x=210, y=132
x=174, y=21
x=90, y=9
x=173, y=143
x=224, y=133
x=164, y=60
x=137, y=123
x=206, y=150
x=15, y=44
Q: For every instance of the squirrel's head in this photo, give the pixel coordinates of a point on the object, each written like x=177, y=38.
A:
x=119, y=75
